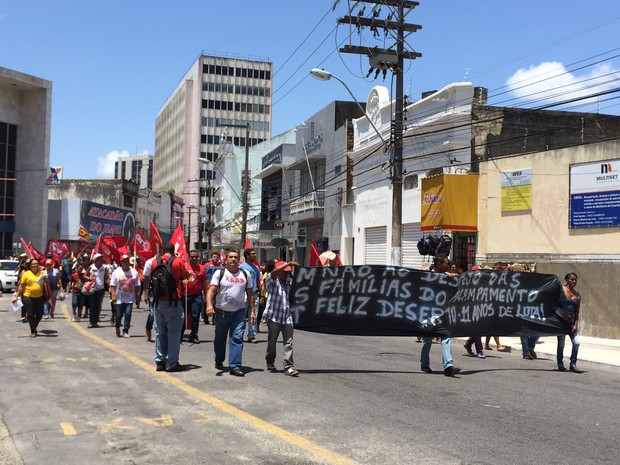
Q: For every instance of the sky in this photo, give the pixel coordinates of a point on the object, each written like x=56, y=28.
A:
x=113, y=63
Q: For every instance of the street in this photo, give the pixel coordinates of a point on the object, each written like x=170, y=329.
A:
x=83, y=396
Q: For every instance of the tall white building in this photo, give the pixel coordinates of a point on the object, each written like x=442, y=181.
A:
x=138, y=168
x=214, y=103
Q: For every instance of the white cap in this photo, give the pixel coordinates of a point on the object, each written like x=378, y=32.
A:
x=96, y=256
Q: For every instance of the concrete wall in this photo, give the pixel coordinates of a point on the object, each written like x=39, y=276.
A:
x=542, y=234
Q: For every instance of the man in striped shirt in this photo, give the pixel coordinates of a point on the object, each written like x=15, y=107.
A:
x=278, y=316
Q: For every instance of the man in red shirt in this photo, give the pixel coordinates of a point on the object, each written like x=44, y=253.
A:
x=195, y=290
x=169, y=315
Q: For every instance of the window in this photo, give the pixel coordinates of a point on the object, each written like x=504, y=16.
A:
x=410, y=182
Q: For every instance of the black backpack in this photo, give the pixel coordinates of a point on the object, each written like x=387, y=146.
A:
x=444, y=246
x=424, y=246
x=162, y=282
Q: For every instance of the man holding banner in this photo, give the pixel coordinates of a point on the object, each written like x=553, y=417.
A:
x=441, y=264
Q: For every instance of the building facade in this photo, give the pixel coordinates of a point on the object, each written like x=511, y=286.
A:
x=25, y=124
x=137, y=168
x=220, y=100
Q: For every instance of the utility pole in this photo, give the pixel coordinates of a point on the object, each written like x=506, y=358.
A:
x=382, y=60
x=245, y=188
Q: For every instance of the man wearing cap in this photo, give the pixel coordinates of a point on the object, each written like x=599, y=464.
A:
x=124, y=292
x=99, y=272
x=232, y=286
x=278, y=316
x=52, y=279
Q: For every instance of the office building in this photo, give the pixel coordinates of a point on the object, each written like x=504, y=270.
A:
x=220, y=99
x=25, y=122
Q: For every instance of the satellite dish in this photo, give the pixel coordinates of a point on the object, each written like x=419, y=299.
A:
x=279, y=242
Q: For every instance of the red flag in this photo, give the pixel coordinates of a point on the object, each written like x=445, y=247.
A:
x=142, y=246
x=57, y=249
x=178, y=241
x=314, y=256
x=109, y=248
x=36, y=254
x=248, y=244
x=155, y=239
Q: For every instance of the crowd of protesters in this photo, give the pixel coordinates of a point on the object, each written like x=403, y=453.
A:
x=235, y=294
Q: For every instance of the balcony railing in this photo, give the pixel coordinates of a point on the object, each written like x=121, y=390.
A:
x=312, y=201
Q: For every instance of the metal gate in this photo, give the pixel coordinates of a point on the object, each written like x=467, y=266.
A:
x=375, y=246
x=411, y=258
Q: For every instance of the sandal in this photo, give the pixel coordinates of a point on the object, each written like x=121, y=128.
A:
x=291, y=372
x=502, y=348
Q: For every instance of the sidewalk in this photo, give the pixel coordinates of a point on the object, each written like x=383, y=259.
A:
x=591, y=349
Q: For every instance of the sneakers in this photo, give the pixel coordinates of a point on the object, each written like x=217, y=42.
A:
x=176, y=368
x=426, y=369
x=77, y=319
x=73, y=319
x=194, y=340
x=219, y=365
x=451, y=371
x=160, y=366
x=272, y=368
x=236, y=372
x=291, y=372
x=118, y=332
x=561, y=368
x=47, y=317
x=528, y=357
x=480, y=355
x=533, y=354
x=469, y=351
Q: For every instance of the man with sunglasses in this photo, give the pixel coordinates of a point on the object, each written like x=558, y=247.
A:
x=195, y=292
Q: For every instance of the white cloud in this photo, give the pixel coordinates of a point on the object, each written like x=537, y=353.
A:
x=105, y=165
x=552, y=82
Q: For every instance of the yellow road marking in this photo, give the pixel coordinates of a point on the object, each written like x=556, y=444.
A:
x=292, y=438
x=164, y=421
x=68, y=429
x=206, y=418
x=19, y=362
x=114, y=424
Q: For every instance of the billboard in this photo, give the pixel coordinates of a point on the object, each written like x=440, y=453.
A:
x=450, y=202
x=104, y=220
x=595, y=194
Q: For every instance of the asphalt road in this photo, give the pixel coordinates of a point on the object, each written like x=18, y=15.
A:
x=83, y=396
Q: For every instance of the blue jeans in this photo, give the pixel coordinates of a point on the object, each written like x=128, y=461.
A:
x=231, y=324
x=446, y=352
x=47, y=307
x=528, y=343
x=168, y=328
x=121, y=310
x=251, y=326
x=574, y=339
x=195, y=305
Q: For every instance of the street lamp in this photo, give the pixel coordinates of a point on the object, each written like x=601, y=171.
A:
x=397, y=164
x=323, y=75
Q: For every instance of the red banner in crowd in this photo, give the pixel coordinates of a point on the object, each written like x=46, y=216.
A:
x=156, y=240
x=178, y=241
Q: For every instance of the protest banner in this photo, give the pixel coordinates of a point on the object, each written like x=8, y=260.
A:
x=383, y=300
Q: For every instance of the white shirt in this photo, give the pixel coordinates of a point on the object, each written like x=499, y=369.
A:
x=125, y=283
